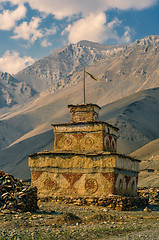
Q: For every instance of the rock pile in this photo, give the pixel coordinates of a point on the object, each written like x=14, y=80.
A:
x=68, y=218
x=113, y=202
x=14, y=196
x=151, y=193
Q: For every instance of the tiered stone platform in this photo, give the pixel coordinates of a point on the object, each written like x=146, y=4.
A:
x=85, y=162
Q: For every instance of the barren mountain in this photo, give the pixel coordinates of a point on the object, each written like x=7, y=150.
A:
x=56, y=70
x=12, y=91
x=121, y=70
x=137, y=116
x=149, y=154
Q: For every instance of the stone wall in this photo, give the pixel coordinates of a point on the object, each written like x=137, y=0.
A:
x=113, y=202
x=84, y=113
x=96, y=175
x=78, y=137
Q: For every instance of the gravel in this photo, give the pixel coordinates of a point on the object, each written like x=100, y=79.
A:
x=64, y=222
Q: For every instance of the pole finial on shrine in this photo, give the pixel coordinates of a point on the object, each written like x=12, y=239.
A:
x=84, y=84
x=84, y=87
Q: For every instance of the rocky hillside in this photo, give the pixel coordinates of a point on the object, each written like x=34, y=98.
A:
x=149, y=154
x=121, y=70
x=149, y=166
x=13, y=91
x=137, y=117
x=56, y=70
x=128, y=68
x=30, y=130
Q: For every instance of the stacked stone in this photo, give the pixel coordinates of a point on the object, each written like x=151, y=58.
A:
x=16, y=197
x=151, y=193
x=113, y=202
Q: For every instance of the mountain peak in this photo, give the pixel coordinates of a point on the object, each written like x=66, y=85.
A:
x=87, y=43
x=113, y=63
x=148, y=40
x=5, y=76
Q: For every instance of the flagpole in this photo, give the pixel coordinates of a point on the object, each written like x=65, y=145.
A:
x=84, y=88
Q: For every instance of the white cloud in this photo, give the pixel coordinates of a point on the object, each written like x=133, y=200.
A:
x=91, y=14
x=12, y=62
x=128, y=4
x=45, y=43
x=60, y=8
x=126, y=38
x=8, y=18
x=95, y=28
x=14, y=2
x=50, y=31
x=89, y=28
x=28, y=31
x=110, y=30
x=31, y=31
x=63, y=8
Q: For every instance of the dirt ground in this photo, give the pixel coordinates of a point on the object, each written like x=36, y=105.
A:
x=67, y=222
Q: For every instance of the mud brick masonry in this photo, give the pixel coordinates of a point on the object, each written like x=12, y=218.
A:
x=85, y=162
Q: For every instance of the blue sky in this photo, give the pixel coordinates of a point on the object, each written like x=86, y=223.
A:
x=33, y=29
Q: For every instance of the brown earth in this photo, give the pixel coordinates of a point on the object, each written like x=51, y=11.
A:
x=61, y=221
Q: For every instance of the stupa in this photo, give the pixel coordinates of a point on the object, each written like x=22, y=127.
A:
x=84, y=162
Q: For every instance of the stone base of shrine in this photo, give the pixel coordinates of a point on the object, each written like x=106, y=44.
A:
x=83, y=175
x=112, y=202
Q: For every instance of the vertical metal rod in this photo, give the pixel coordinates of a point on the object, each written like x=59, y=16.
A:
x=84, y=88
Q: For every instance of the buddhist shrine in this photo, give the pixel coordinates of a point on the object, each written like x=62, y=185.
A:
x=84, y=162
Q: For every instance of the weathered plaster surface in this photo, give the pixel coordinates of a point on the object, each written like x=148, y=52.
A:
x=84, y=162
x=84, y=113
x=95, y=136
x=81, y=174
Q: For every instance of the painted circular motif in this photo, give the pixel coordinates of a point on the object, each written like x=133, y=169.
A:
x=49, y=183
x=68, y=141
x=91, y=185
x=89, y=141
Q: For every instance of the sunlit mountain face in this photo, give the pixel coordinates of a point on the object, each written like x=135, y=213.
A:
x=126, y=89
x=31, y=30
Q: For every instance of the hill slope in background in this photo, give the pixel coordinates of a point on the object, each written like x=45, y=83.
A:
x=149, y=154
x=50, y=84
x=13, y=92
x=136, y=116
x=55, y=71
x=121, y=70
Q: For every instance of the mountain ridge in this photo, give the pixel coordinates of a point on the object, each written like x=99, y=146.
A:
x=121, y=77
x=132, y=114
x=52, y=71
x=130, y=68
x=13, y=91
